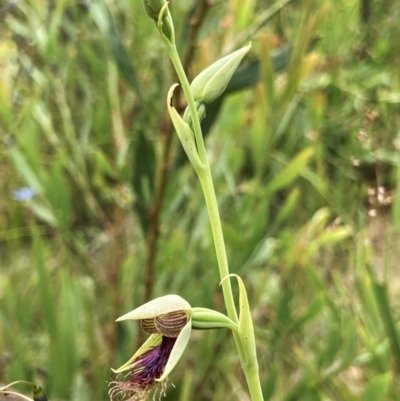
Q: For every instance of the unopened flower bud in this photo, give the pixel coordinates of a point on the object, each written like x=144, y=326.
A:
x=153, y=8
x=157, y=10
x=211, y=82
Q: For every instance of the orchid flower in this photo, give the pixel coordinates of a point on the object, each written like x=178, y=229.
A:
x=168, y=321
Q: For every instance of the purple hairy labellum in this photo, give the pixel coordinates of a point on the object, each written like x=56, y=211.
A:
x=141, y=377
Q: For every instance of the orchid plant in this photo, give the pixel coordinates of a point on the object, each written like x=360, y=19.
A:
x=170, y=319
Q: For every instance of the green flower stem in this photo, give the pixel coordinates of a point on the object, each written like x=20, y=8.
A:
x=250, y=368
x=253, y=381
x=204, y=174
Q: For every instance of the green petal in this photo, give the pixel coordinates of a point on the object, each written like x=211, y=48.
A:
x=158, y=306
x=177, y=351
x=153, y=341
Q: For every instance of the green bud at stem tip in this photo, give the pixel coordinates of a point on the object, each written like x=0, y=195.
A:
x=157, y=10
x=211, y=82
x=165, y=25
x=153, y=8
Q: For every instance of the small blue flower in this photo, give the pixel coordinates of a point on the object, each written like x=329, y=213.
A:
x=24, y=194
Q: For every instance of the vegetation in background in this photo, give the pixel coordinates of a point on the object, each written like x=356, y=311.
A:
x=304, y=153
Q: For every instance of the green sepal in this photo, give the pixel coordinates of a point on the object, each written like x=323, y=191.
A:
x=153, y=341
x=211, y=82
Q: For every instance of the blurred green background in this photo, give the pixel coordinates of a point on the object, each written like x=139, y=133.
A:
x=304, y=152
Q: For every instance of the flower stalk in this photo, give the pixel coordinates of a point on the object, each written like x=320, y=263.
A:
x=246, y=352
x=170, y=319
x=204, y=173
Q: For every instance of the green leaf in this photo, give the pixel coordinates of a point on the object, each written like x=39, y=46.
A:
x=59, y=196
x=386, y=314
x=25, y=169
x=143, y=176
x=43, y=212
x=121, y=56
x=260, y=253
x=288, y=205
x=378, y=388
x=396, y=202
x=285, y=308
x=45, y=287
x=290, y=172
x=107, y=24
